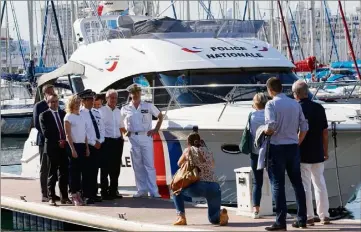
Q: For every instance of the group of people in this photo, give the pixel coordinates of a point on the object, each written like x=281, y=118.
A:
x=299, y=145
x=74, y=144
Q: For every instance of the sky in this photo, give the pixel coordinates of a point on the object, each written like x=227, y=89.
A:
x=264, y=6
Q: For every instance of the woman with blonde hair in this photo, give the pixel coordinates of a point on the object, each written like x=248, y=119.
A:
x=257, y=119
x=78, y=149
x=206, y=187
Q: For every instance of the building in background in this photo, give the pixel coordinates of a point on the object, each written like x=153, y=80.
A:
x=11, y=59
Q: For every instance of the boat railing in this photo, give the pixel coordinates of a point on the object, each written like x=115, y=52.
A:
x=236, y=93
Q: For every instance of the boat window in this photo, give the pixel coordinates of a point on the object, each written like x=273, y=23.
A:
x=144, y=80
x=208, y=95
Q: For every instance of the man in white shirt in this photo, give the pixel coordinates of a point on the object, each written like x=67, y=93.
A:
x=95, y=135
x=112, y=147
x=136, y=118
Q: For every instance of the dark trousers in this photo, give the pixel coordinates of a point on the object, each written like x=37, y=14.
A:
x=111, y=161
x=283, y=158
x=44, y=170
x=257, y=181
x=91, y=175
x=77, y=168
x=58, y=170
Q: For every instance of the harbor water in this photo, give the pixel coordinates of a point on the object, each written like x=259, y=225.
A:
x=12, y=147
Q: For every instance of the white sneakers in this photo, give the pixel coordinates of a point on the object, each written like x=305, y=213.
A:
x=155, y=195
x=140, y=195
x=144, y=194
x=255, y=215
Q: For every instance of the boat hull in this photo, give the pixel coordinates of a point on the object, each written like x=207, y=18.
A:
x=168, y=146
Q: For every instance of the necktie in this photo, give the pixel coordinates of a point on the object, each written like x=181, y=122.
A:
x=60, y=126
x=95, y=125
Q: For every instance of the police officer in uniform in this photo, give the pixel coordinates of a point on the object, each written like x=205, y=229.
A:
x=95, y=135
x=137, y=125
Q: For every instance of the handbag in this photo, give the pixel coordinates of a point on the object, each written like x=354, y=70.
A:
x=186, y=175
x=246, y=140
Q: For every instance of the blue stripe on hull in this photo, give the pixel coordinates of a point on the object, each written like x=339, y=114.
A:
x=174, y=149
x=175, y=152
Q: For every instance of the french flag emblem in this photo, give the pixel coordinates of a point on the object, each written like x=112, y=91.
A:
x=193, y=49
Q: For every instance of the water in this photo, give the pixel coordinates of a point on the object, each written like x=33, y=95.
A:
x=12, y=148
x=11, y=152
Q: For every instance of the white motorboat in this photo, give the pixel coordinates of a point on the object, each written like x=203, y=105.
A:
x=16, y=108
x=197, y=79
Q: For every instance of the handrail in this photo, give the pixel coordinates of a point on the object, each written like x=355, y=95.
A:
x=310, y=84
x=230, y=96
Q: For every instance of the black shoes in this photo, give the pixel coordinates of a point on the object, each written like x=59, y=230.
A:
x=116, y=195
x=52, y=202
x=89, y=201
x=276, y=227
x=301, y=225
x=97, y=199
x=66, y=201
x=46, y=199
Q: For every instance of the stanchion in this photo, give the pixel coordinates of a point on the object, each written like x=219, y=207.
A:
x=341, y=209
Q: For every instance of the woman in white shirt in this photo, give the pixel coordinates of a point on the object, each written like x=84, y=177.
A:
x=257, y=120
x=75, y=132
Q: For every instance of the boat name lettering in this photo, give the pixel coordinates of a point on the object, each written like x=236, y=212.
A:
x=221, y=55
x=228, y=48
x=127, y=162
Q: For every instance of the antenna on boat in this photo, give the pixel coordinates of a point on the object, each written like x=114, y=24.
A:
x=220, y=29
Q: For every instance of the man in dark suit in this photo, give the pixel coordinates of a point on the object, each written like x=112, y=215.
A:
x=52, y=128
x=39, y=108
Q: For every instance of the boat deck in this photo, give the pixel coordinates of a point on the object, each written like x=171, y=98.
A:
x=140, y=214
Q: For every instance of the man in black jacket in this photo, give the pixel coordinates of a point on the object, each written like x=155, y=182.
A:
x=52, y=128
x=39, y=108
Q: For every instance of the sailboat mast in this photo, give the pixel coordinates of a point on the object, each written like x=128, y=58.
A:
x=188, y=10
x=312, y=22
x=8, y=52
x=73, y=18
x=31, y=28
x=349, y=40
x=272, y=24
x=285, y=31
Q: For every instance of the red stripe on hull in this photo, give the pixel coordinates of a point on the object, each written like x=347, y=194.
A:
x=159, y=164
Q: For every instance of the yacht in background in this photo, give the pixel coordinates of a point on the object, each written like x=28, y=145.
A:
x=16, y=108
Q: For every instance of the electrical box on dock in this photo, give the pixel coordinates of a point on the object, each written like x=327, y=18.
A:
x=244, y=182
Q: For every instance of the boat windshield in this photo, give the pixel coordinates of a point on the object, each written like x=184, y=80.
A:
x=187, y=95
x=199, y=87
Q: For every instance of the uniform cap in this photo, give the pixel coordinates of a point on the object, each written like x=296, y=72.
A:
x=88, y=93
x=134, y=88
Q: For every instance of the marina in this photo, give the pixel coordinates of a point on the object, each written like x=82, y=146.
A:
x=199, y=72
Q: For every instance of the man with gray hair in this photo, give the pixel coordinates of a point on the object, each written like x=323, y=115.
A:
x=112, y=148
x=314, y=151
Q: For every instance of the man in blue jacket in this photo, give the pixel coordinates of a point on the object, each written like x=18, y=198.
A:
x=40, y=107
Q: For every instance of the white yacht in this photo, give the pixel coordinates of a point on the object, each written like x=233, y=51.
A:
x=203, y=74
x=16, y=108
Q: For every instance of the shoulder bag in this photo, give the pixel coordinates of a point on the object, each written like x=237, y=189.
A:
x=186, y=175
x=246, y=140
